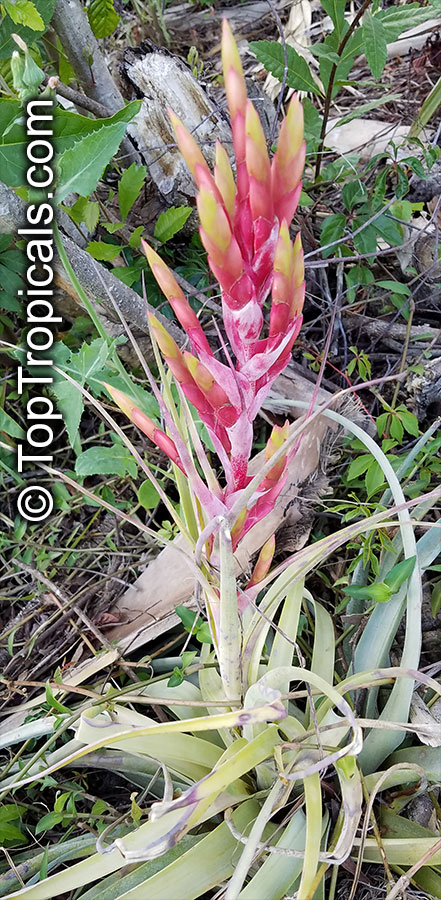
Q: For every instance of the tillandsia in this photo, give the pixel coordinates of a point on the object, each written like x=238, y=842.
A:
x=244, y=227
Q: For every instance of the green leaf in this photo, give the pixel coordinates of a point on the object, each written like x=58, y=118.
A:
x=44, y=9
x=357, y=276
x=359, y=466
x=374, y=478
x=170, y=222
x=80, y=168
x=70, y=132
x=9, y=426
x=48, y=821
x=148, y=496
x=53, y=702
x=353, y=193
x=322, y=51
x=396, y=429
x=396, y=19
x=409, y=421
x=375, y=43
x=203, y=634
x=187, y=658
x=399, y=574
x=176, y=679
x=130, y=187
x=436, y=598
x=270, y=54
x=333, y=228
x=103, y=17
x=336, y=11
x=187, y=617
x=103, y=251
x=10, y=833
x=396, y=286
x=116, y=460
x=23, y=12
x=112, y=227
x=84, y=210
x=135, y=237
x=379, y=592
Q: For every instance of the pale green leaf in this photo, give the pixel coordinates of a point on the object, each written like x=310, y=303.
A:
x=23, y=12
x=148, y=496
x=102, y=251
x=44, y=9
x=116, y=460
x=170, y=222
x=84, y=210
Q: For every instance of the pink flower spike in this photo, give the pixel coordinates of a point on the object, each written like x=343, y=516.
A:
x=145, y=424
x=258, y=167
x=236, y=92
x=288, y=162
x=180, y=305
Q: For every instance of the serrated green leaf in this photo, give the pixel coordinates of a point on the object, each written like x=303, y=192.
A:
x=116, y=460
x=84, y=210
x=170, y=222
x=81, y=366
x=80, y=168
x=396, y=19
x=148, y=496
x=135, y=237
x=102, y=251
x=103, y=18
x=23, y=12
x=130, y=187
x=375, y=43
x=28, y=34
x=70, y=129
x=270, y=54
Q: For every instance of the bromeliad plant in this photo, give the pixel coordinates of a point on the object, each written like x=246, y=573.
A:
x=240, y=763
x=245, y=231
